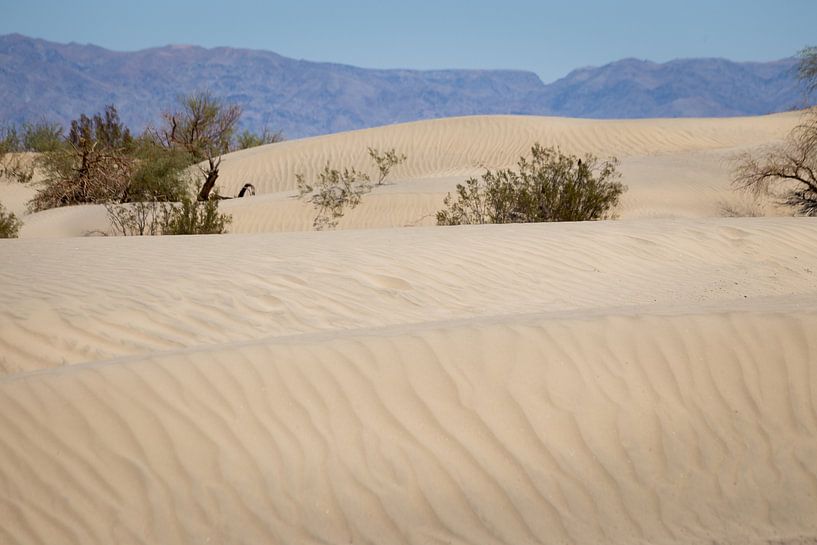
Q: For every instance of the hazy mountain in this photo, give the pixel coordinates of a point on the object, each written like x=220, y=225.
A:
x=680, y=88
x=60, y=81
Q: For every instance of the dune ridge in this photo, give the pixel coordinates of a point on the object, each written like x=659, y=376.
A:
x=645, y=381
x=673, y=168
x=165, y=293
x=627, y=429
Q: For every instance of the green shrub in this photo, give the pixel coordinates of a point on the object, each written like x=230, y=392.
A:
x=187, y=217
x=549, y=186
x=9, y=224
x=42, y=137
x=158, y=174
x=10, y=141
x=333, y=193
x=191, y=217
x=247, y=139
x=385, y=162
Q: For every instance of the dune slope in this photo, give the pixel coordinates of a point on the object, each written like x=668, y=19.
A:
x=617, y=382
x=674, y=168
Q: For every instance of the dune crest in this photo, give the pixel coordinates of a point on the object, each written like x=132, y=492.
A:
x=644, y=381
x=674, y=168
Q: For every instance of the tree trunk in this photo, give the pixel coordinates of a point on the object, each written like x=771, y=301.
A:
x=210, y=182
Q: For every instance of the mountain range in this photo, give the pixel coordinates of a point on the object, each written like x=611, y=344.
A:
x=41, y=79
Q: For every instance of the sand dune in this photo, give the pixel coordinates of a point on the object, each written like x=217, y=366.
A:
x=673, y=168
x=643, y=381
x=78, y=300
x=625, y=382
x=617, y=429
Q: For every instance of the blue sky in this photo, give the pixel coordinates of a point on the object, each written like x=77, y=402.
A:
x=549, y=38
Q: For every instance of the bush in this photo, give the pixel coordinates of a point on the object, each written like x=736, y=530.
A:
x=333, y=193
x=550, y=186
x=10, y=141
x=187, y=217
x=94, y=167
x=336, y=191
x=13, y=165
x=247, y=139
x=385, y=162
x=159, y=173
x=9, y=224
x=42, y=137
x=788, y=172
x=194, y=218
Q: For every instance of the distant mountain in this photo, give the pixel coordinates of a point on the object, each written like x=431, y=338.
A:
x=59, y=81
x=633, y=88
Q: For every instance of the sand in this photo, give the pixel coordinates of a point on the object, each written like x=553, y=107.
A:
x=674, y=168
x=647, y=380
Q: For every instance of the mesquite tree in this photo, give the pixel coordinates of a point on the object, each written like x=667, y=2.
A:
x=788, y=172
x=203, y=126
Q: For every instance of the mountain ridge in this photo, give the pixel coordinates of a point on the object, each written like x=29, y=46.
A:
x=39, y=78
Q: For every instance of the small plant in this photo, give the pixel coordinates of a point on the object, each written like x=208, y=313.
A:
x=191, y=217
x=42, y=137
x=336, y=191
x=17, y=168
x=13, y=165
x=333, y=193
x=385, y=162
x=187, y=217
x=9, y=224
x=247, y=139
x=752, y=207
x=136, y=219
x=550, y=186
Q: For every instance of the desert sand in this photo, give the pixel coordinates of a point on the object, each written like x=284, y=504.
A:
x=651, y=379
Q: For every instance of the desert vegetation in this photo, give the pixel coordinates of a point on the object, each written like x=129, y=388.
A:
x=144, y=181
x=788, y=172
x=16, y=144
x=9, y=224
x=547, y=186
x=336, y=191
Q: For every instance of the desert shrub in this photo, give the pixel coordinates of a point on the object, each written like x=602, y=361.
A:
x=12, y=164
x=788, y=172
x=137, y=218
x=187, y=217
x=336, y=191
x=247, y=139
x=94, y=165
x=549, y=186
x=191, y=217
x=385, y=161
x=159, y=173
x=333, y=193
x=42, y=136
x=10, y=141
x=9, y=224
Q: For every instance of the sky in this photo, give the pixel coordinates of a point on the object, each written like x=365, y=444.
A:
x=546, y=37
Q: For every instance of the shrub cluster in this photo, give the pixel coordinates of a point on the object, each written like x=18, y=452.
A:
x=548, y=186
x=9, y=224
x=187, y=217
x=138, y=179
